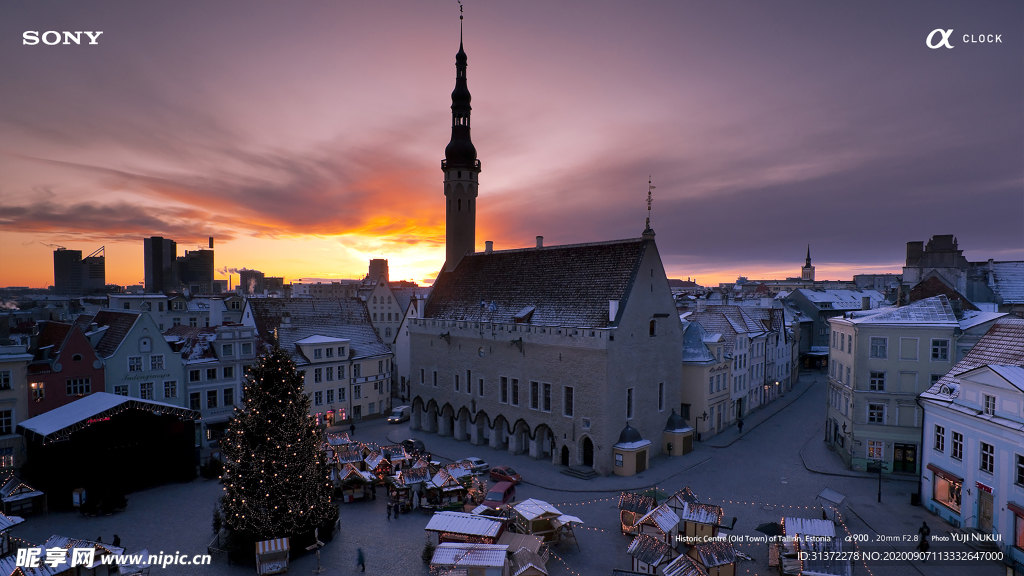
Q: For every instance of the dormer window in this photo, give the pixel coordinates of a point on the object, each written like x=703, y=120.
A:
x=989, y=403
x=341, y=351
x=318, y=353
x=330, y=352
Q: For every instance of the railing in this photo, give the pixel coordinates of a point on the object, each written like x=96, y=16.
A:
x=444, y=165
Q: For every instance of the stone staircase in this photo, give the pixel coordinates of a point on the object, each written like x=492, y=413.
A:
x=583, y=473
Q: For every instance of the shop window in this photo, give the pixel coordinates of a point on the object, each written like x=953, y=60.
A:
x=947, y=493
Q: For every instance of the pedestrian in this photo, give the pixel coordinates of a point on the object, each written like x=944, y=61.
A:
x=739, y=425
x=117, y=540
x=389, y=511
x=360, y=559
x=398, y=506
x=99, y=539
x=922, y=540
x=352, y=430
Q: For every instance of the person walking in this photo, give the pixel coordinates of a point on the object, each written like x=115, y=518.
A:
x=360, y=559
x=352, y=430
x=739, y=425
x=398, y=506
x=922, y=540
x=389, y=511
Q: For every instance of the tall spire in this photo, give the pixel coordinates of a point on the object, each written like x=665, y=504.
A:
x=808, y=255
x=461, y=170
x=648, y=232
x=460, y=152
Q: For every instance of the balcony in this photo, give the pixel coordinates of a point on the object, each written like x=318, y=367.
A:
x=476, y=165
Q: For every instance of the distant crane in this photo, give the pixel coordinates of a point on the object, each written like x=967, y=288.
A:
x=101, y=249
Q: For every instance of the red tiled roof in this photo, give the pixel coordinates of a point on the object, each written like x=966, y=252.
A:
x=53, y=334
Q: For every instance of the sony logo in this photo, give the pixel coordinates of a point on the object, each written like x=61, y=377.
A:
x=53, y=37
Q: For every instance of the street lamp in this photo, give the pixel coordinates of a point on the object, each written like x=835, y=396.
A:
x=703, y=417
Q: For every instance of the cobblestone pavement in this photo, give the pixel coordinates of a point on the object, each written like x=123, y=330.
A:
x=760, y=476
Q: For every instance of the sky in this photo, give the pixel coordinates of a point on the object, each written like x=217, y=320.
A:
x=306, y=136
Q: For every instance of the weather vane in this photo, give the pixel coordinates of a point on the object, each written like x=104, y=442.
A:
x=649, y=188
x=460, y=9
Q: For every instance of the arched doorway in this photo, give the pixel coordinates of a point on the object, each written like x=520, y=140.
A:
x=565, y=455
x=588, y=452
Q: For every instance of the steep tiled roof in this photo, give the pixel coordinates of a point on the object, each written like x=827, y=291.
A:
x=717, y=553
x=404, y=296
x=934, y=285
x=1009, y=280
x=118, y=325
x=53, y=334
x=1003, y=344
x=694, y=349
x=567, y=285
x=333, y=317
x=842, y=299
x=934, y=310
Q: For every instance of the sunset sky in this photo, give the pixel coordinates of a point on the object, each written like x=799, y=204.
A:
x=306, y=136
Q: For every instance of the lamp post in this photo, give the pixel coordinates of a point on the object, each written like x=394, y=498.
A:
x=703, y=417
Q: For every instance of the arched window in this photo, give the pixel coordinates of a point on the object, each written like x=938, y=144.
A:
x=375, y=316
x=374, y=299
x=654, y=327
x=76, y=358
x=460, y=205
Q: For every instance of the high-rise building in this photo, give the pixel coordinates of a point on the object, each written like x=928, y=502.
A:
x=67, y=271
x=251, y=281
x=94, y=272
x=195, y=270
x=159, y=257
x=378, y=268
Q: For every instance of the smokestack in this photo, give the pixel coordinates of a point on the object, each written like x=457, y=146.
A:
x=865, y=303
x=540, y=241
x=211, y=242
x=488, y=247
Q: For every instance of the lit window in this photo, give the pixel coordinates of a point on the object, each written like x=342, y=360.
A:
x=874, y=449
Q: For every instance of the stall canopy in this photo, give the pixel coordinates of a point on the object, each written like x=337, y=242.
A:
x=832, y=502
x=684, y=566
x=58, y=424
x=648, y=549
x=465, y=524
x=470, y=555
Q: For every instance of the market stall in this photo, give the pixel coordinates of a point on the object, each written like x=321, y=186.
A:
x=272, y=556
x=540, y=519
x=444, y=492
x=464, y=527
x=352, y=483
x=406, y=486
x=631, y=507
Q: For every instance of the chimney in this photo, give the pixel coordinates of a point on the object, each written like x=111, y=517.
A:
x=217, y=312
x=211, y=242
x=540, y=241
x=488, y=247
x=865, y=303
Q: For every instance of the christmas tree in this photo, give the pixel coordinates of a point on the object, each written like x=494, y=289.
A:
x=276, y=479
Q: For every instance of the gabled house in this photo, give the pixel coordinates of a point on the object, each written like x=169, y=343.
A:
x=973, y=460
x=65, y=367
x=14, y=361
x=137, y=361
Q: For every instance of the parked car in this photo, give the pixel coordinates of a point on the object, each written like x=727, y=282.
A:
x=478, y=465
x=500, y=496
x=399, y=414
x=414, y=446
x=505, y=474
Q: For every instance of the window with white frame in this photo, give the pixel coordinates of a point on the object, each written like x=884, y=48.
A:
x=146, y=391
x=318, y=375
x=330, y=395
x=318, y=353
x=156, y=362
x=246, y=348
x=318, y=398
x=876, y=413
x=879, y=347
x=1019, y=480
x=940, y=439
x=6, y=421
x=956, y=449
x=989, y=404
x=211, y=398
x=194, y=375
x=121, y=389
x=877, y=382
x=329, y=371
x=341, y=394
x=170, y=388
x=988, y=457
x=940, y=349
x=135, y=363
x=875, y=449
x=228, y=350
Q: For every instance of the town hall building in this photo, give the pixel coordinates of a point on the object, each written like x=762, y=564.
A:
x=548, y=350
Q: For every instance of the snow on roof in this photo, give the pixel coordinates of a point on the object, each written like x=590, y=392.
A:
x=318, y=339
x=684, y=565
x=663, y=517
x=470, y=555
x=808, y=526
x=523, y=559
x=8, y=522
x=66, y=543
x=842, y=299
x=648, y=549
x=1009, y=281
x=973, y=318
x=1003, y=344
x=464, y=523
x=702, y=513
x=934, y=310
x=531, y=508
x=1012, y=374
x=97, y=404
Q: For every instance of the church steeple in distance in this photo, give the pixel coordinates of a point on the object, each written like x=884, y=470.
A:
x=461, y=169
x=807, y=272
